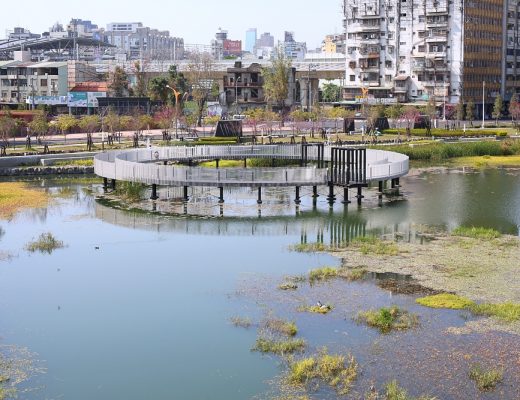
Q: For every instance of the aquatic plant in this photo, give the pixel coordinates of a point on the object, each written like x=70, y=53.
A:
x=370, y=245
x=288, y=286
x=46, y=243
x=321, y=274
x=281, y=347
x=337, y=371
x=507, y=312
x=353, y=274
x=310, y=247
x=394, y=392
x=241, y=322
x=287, y=328
x=485, y=379
x=316, y=309
x=445, y=300
x=476, y=232
x=132, y=191
x=388, y=319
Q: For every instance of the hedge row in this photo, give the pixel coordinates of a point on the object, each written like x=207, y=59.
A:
x=448, y=133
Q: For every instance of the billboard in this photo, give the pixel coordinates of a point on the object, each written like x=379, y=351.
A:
x=84, y=99
x=47, y=100
x=232, y=47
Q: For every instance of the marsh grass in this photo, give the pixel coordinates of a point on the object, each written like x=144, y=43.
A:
x=322, y=274
x=131, y=191
x=353, y=274
x=388, y=319
x=287, y=328
x=288, y=286
x=445, y=300
x=485, y=379
x=280, y=347
x=16, y=196
x=241, y=322
x=324, y=309
x=507, y=312
x=476, y=233
x=46, y=243
x=370, y=245
x=337, y=371
x=310, y=247
x=394, y=392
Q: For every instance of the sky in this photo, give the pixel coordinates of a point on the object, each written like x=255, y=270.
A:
x=194, y=20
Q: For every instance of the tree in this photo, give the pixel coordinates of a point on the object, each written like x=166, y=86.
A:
x=158, y=89
x=65, y=123
x=460, y=112
x=89, y=123
x=373, y=115
x=394, y=112
x=331, y=92
x=118, y=82
x=200, y=78
x=513, y=104
x=112, y=122
x=497, y=109
x=7, y=126
x=410, y=114
x=141, y=85
x=39, y=125
x=178, y=81
x=431, y=112
x=470, y=111
x=276, y=81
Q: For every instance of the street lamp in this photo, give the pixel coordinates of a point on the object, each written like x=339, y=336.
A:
x=483, y=103
x=177, y=96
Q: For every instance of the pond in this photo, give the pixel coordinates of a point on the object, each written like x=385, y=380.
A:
x=138, y=305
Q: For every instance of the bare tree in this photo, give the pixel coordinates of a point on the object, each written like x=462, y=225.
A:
x=200, y=77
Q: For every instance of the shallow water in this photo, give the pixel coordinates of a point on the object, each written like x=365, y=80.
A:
x=146, y=315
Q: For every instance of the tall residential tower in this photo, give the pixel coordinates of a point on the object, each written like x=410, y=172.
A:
x=404, y=50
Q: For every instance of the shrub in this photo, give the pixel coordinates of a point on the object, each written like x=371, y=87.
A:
x=317, y=309
x=131, y=191
x=370, y=245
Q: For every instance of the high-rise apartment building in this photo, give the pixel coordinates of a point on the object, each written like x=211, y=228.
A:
x=251, y=36
x=403, y=50
x=138, y=41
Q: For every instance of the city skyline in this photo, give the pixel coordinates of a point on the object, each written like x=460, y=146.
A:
x=310, y=24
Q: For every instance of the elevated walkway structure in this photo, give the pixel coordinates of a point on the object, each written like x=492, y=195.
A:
x=318, y=165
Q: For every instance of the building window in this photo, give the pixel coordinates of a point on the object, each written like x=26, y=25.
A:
x=352, y=78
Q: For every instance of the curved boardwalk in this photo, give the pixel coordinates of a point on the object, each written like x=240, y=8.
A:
x=147, y=166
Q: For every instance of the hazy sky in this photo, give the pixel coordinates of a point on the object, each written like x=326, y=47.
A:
x=194, y=20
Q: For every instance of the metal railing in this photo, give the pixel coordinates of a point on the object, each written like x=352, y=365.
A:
x=145, y=166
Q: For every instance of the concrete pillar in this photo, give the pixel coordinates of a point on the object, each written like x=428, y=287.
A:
x=105, y=184
x=221, y=195
x=113, y=184
x=315, y=192
x=185, y=194
x=360, y=194
x=297, y=199
x=259, y=201
x=217, y=163
x=331, y=198
x=346, y=200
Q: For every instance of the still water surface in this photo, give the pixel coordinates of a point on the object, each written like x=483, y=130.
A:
x=146, y=315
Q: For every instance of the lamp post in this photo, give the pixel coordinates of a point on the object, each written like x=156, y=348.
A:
x=177, y=95
x=444, y=103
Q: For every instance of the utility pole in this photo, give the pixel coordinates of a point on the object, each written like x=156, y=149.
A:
x=483, y=103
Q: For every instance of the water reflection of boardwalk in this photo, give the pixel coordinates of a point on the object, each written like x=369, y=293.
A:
x=312, y=226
